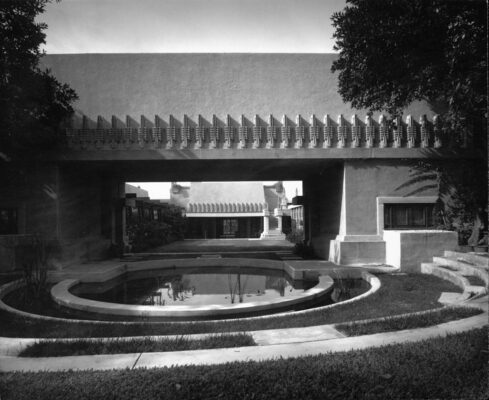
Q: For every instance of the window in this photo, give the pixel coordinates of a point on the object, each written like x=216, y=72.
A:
x=408, y=216
x=8, y=221
x=230, y=226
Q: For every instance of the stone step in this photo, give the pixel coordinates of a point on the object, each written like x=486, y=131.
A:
x=479, y=259
x=456, y=278
x=463, y=268
x=273, y=234
x=272, y=238
x=459, y=264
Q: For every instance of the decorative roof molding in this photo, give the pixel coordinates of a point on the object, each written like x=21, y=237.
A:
x=316, y=133
x=225, y=208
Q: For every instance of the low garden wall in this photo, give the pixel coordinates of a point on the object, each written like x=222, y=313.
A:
x=408, y=249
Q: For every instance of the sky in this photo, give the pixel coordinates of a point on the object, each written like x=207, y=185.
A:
x=161, y=190
x=190, y=26
x=181, y=26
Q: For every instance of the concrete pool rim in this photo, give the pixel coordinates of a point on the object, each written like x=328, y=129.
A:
x=237, y=262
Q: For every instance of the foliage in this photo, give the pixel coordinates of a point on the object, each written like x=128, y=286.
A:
x=393, y=52
x=34, y=258
x=462, y=193
x=398, y=294
x=146, y=234
x=296, y=235
x=301, y=248
x=452, y=367
x=33, y=102
x=134, y=345
x=410, y=321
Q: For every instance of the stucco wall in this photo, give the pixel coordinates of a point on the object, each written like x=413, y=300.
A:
x=207, y=84
x=364, y=181
x=408, y=249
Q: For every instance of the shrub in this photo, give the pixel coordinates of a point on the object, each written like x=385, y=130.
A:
x=145, y=234
x=296, y=236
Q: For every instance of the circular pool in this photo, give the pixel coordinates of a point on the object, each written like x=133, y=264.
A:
x=167, y=290
x=187, y=293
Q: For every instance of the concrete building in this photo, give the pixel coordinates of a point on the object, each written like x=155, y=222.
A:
x=232, y=209
x=136, y=190
x=234, y=117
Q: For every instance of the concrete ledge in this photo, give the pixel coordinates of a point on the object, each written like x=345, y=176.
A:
x=477, y=259
x=408, y=249
x=357, y=252
x=464, y=268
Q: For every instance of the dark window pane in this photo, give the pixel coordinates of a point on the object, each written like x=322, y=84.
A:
x=418, y=217
x=408, y=216
x=8, y=221
x=400, y=216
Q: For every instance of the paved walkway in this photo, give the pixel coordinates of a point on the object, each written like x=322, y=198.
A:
x=272, y=344
x=223, y=246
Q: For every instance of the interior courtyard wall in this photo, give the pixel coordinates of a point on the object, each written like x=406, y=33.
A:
x=364, y=181
x=369, y=179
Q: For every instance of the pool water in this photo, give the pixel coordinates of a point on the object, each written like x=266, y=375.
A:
x=167, y=289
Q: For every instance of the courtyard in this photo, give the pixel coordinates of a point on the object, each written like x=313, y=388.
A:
x=200, y=202
x=302, y=336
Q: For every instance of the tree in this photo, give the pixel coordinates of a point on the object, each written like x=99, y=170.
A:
x=33, y=103
x=393, y=52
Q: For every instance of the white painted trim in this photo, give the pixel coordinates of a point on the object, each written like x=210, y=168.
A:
x=398, y=200
x=224, y=215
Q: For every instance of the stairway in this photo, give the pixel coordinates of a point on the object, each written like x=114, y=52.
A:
x=288, y=255
x=273, y=234
x=469, y=271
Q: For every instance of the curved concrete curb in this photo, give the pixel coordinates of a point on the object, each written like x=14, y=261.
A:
x=330, y=341
x=253, y=353
x=469, y=291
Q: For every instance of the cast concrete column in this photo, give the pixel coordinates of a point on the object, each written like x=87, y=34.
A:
x=266, y=222
x=279, y=214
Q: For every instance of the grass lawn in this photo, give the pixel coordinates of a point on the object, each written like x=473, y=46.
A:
x=412, y=321
x=139, y=345
x=454, y=367
x=475, y=280
x=398, y=294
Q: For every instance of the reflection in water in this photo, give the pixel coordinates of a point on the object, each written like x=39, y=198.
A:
x=194, y=289
x=237, y=286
